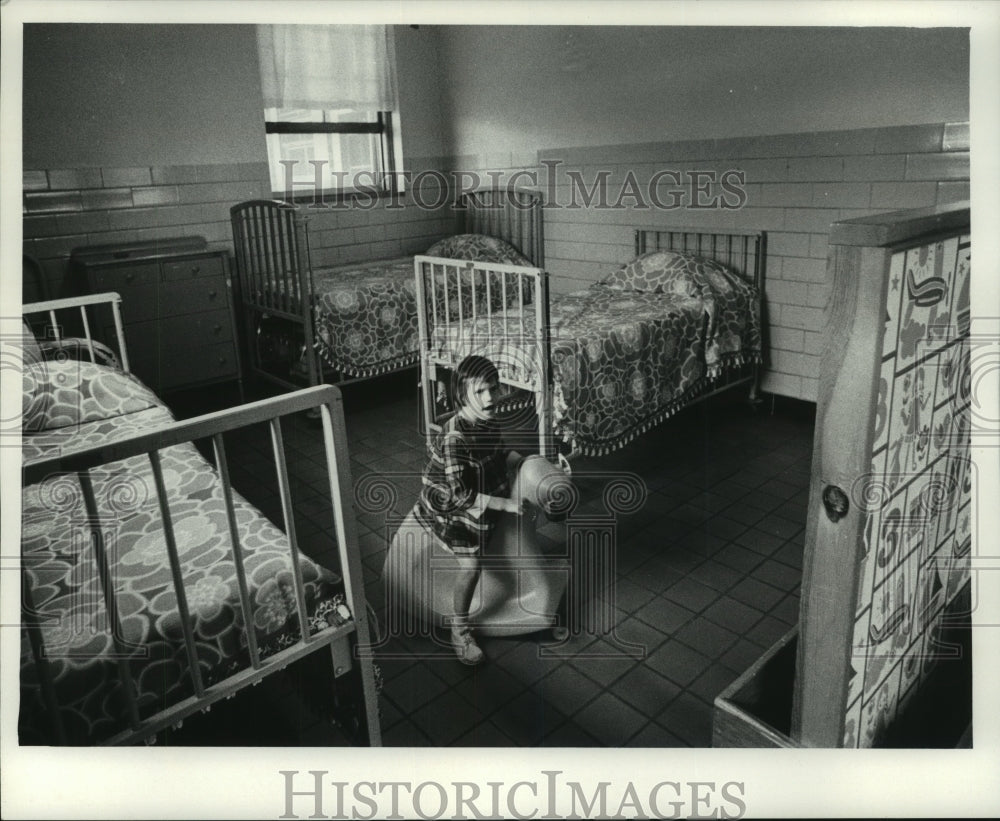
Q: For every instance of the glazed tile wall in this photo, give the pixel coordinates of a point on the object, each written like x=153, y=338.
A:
x=796, y=186
x=65, y=208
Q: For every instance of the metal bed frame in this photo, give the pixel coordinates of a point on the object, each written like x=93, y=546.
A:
x=343, y=642
x=275, y=272
x=743, y=252
x=54, y=338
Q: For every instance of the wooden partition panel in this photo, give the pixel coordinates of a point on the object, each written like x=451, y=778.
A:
x=888, y=533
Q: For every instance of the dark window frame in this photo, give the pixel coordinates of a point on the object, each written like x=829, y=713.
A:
x=383, y=126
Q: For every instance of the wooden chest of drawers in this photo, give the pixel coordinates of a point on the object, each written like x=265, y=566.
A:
x=177, y=308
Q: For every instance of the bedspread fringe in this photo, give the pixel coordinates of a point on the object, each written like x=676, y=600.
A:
x=732, y=361
x=397, y=363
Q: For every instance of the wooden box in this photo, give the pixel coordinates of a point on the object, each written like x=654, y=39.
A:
x=756, y=709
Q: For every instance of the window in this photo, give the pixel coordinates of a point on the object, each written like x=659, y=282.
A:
x=330, y=108
x=343, y=148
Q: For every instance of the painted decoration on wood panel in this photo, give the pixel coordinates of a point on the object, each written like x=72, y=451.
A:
x=917, y=497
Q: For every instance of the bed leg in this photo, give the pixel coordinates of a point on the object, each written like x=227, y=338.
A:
x=252, y=321
x=314, y=369
x=353, y=707
x=754, y=399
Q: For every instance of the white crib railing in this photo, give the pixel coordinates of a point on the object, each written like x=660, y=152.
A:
x=495, y=310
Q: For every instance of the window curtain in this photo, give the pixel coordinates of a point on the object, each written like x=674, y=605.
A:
x=327, y=67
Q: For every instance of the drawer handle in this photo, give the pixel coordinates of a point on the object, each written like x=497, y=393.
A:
x=213, y=294
x=222, y=360
x=195, y=270
x=129, y=277
x=216, y=329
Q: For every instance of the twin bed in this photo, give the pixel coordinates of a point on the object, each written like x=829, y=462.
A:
x=596, y=367
x=601, y=365
x=151, y=587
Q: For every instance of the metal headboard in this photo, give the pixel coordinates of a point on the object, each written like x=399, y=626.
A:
x=511, y=214
x=54, y=309
x=743, y=251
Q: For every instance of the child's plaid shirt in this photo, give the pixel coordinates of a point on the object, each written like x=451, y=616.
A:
x=467, y=460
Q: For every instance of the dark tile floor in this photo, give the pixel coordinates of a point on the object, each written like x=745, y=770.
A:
x=707, y=574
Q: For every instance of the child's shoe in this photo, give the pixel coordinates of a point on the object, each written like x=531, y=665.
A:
x=465, y=646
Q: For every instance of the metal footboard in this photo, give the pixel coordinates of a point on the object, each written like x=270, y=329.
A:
x=495, y=310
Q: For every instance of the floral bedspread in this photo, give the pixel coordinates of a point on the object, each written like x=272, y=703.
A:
x=366, y=316
x=622, y=361
x=66, y=589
